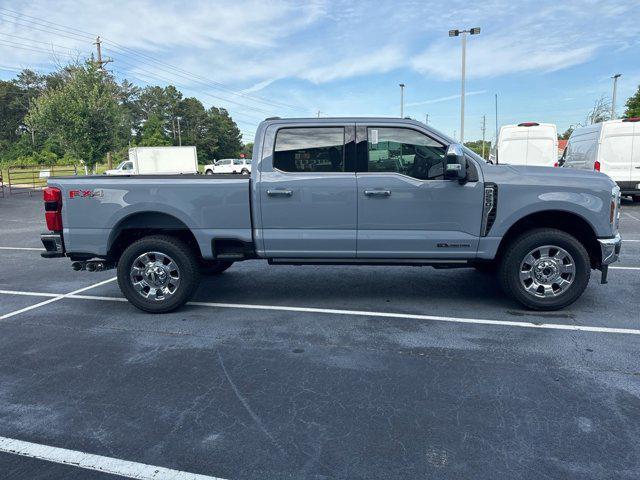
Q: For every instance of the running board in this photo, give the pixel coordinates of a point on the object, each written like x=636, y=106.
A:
x=436, y=263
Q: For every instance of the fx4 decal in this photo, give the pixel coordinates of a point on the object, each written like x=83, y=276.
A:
x=84, y=193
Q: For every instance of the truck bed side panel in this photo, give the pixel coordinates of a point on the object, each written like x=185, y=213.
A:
x=211, y=207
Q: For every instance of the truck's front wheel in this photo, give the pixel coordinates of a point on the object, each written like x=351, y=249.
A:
x=545, y=269
x=158, y=273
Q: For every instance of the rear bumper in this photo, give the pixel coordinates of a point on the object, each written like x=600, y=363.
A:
x=53, y=245
x=629, y=188
x=610, y=249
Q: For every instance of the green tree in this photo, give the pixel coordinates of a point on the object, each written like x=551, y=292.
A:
x=247, y=149
x=12, y=111
x=82, y=114
x=153, y=134
x=477, y=147
x=633, y=105
x=226, y=132
x=567, y=133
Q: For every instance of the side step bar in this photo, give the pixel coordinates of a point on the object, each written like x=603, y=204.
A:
x=436, y=263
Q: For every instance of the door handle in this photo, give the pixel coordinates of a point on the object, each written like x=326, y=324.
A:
x=377, y=193
x=279, y=193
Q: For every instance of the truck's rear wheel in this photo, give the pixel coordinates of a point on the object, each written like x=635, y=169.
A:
x=545, y=269
x=158, y=273
x=214, y=267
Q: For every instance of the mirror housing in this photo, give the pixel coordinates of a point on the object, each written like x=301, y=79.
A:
x=455, y=164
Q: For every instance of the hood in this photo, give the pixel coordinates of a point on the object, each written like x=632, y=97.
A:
x=548, y=176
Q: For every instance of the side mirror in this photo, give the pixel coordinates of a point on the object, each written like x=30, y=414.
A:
x=456, y=163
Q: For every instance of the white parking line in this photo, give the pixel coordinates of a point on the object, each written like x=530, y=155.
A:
x=55, y=299
x=34, y=249
x=366, y=313
x=115, y=466
x=632, y=216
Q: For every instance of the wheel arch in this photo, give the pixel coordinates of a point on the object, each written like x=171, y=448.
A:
x=569, y=222
x=141, y=224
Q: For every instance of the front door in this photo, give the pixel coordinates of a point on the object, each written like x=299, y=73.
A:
x=308, y=193
x=406, y=209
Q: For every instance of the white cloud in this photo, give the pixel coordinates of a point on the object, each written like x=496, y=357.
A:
x=446, y=98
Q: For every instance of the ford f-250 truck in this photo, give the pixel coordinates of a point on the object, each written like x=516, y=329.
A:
x=374, y=191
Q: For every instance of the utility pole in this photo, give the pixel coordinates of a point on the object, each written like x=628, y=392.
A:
x=463, y=34
x=613, y=96
x=426, y=119
x=101, y=63
x=402, y=100
x=318, y=113
x=484, y=129
x=496, y=117
x=179, y=132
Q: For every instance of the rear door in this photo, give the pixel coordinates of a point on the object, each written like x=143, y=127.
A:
x=405, y=207
x=616, y=150
x=513, y=146
x=308, y=192
x=635, y=162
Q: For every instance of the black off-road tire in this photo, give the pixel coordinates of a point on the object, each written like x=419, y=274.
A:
x=509, y=268
x=214, y=267
x=182, y=255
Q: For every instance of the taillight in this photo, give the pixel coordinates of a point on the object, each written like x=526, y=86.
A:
x=556, y=165
x=53, y=208
x=596, y=166
x=528, y=124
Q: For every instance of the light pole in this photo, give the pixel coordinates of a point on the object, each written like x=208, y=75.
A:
x=179, y=133
x=402, y=100
x=463, y=34
x=613, y=95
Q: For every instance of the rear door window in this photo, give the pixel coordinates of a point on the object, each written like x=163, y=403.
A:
x=310, y=149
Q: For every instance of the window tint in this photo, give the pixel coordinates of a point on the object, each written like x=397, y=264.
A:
x=238, y=162
x=405, y=151
x=309, y=150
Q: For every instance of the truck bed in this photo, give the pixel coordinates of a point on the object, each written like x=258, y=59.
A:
x=96, y=207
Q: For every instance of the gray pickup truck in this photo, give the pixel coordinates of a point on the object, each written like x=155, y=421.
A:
x=348, y=191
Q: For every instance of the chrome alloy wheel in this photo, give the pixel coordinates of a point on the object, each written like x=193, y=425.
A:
x=155, y=276
x=547, y=271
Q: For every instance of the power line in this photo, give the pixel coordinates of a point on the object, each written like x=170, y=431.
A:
x=45, y=23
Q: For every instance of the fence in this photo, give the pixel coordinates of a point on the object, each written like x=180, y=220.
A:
x=30, y=178
x=1, y=185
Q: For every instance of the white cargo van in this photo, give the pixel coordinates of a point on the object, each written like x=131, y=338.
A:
x=158, y=161
x=611, y=147
x=528, y=143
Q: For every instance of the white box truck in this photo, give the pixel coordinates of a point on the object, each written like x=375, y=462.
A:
x=528, y=143
x=158, y=161
x=611, y=147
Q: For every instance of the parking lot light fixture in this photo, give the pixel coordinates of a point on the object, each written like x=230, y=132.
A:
x=463, y=34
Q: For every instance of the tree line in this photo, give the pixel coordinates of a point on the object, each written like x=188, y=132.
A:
x=81, y=114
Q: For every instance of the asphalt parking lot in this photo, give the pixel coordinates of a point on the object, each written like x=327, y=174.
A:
x=326, y=372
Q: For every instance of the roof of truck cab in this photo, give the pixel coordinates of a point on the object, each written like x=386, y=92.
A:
x=344, y=119
x=370, y=120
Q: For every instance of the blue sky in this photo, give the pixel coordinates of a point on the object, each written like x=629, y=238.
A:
x=547, y=61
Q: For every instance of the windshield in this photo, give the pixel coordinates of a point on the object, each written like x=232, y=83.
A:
x=121, y=166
